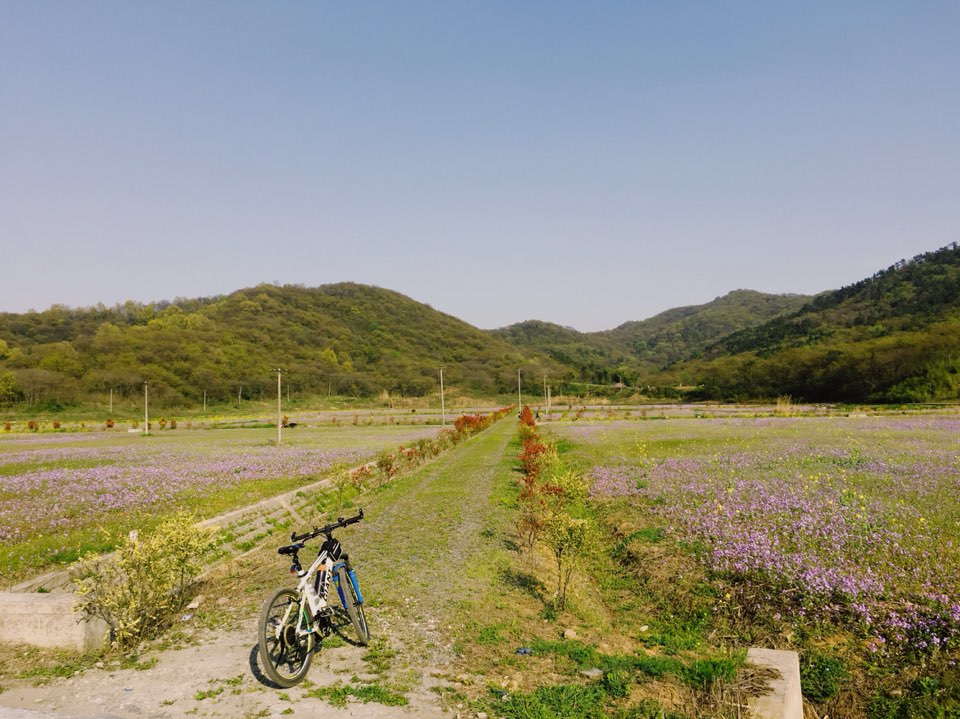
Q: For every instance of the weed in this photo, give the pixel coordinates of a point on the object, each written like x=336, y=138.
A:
x=703, y=673
x=132, y=661
x=616, y=683
x=563, y=700
x=379, y=656
x=821, y=676
x=43, y=674
x=338, y=694
x=490, y=634
x=208, y=694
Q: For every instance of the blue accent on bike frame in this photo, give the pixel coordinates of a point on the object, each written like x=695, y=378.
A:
x=336, y=580
x=356, y=585
x=353, y=580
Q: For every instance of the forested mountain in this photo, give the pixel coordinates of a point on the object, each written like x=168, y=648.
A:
x=588, y=357
x=345, y=338
x=892, y=337
x=682, y=332
x=636, y=351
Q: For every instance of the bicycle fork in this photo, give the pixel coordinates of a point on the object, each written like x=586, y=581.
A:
x=345, y=563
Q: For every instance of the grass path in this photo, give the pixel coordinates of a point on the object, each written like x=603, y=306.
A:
x=423, y=550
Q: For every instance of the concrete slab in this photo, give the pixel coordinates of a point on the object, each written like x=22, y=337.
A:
x=48, y=620
x=784, y=699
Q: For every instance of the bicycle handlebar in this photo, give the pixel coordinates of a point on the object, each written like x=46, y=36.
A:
x=326, y=529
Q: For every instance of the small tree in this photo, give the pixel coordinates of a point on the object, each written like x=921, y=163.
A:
x=569, y=539
x=144, y=583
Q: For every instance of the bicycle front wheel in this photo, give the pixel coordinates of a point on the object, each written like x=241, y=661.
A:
x=353, y=606
x=285, y=650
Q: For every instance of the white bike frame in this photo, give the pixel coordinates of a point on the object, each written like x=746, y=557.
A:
x=312, y=602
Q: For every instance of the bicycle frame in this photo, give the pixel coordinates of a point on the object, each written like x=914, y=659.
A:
x=314, y=587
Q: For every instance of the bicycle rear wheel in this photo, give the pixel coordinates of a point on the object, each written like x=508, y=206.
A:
x=353, y=607
x=285, y=652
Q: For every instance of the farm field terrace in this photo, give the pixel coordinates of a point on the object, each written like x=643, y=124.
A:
x=835, y=536
x=64, y=494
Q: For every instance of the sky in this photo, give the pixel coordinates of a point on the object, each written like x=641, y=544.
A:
x=584, y=162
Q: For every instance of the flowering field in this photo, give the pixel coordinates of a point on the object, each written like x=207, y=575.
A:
x=853, y=520
x=62, y=494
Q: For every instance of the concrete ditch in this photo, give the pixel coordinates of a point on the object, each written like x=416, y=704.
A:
x=783, y=699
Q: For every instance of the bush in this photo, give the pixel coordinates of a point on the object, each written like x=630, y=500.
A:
x=526, y=417
x=138, y=589
x=570, y=540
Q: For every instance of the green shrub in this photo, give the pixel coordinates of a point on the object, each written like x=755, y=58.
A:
x=570, y=540
x=138, y=589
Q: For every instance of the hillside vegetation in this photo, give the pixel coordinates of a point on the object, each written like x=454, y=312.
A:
x=893, y=337
x=346, y=339
x=635, y=352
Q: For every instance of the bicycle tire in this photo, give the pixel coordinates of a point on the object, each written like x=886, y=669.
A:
x=353, y=607
x=285, y=656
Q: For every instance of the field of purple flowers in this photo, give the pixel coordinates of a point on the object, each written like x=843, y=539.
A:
x=62, y=494
x=850, y=519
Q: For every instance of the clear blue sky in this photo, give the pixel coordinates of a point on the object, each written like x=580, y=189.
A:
x=585, y=163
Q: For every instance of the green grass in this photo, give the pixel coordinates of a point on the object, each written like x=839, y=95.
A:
x=338, y=694
x=208, y=694
x=560, y=701
x=42, y=674
x=379, y=656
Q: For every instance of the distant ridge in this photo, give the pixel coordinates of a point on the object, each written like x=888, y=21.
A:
x=639, y=349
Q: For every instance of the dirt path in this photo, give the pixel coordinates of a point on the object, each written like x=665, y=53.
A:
x=416, y=556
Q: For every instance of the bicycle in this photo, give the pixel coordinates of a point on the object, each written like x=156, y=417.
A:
x=292, y=620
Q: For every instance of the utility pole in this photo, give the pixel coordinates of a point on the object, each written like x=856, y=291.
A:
x=279, y=395
x=146, y=403
x=443, y=412
x=204, y=401
x=111, y=400
x=519, y=396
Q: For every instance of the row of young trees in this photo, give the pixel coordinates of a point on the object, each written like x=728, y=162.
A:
x=552, y=505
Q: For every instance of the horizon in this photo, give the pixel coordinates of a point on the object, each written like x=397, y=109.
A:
x=585, y=166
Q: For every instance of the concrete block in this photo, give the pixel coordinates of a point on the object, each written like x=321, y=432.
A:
x=783, y=700
x=48, y=620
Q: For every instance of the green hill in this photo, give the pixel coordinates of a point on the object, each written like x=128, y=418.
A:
x=682, y=332
x=893, y=337
x=345, y=338
x=588, y=357
x=636, y=351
